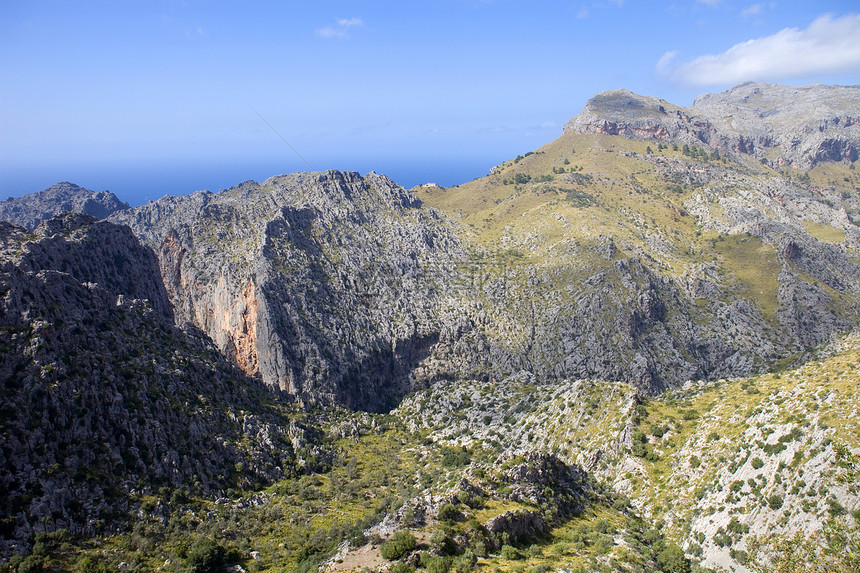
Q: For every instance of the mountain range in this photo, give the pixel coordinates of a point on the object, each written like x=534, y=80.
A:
x=595, y=341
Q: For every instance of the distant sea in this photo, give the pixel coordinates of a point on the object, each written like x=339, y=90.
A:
x=138, y=184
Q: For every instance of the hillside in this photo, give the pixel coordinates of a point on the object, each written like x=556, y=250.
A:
x=328, y=286
x=582, y=475
x=633, y=349
x=104, y=401
x=656, y=261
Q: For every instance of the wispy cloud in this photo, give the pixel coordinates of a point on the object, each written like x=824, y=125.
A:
x=341, y=30
x=828, y=45
x=754, y=10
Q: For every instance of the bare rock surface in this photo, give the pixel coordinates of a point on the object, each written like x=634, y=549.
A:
x=782, y=125
x=30, y=210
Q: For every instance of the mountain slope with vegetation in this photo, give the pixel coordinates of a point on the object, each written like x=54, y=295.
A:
x=633, y=349
x=105, y=402
x=656, y=261
x=579, y=475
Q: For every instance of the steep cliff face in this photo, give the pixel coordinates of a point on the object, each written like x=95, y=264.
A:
x=102, y=395
x=781, y=125
x=595, y=256
x=324, y=285
x=30, y=210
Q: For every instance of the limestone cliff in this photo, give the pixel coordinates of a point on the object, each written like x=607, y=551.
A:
x=325, y=285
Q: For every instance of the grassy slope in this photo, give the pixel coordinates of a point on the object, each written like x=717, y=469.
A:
x=612, y=187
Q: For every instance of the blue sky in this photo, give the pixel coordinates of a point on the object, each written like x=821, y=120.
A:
x=162, y=96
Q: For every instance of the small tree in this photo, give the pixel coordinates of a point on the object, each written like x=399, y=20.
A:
x=206, y=556
x=401, y=544
x=672, y=560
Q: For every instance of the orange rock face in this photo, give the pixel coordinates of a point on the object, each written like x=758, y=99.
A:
x=244, y=337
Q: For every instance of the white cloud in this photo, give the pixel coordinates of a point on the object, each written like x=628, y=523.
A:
x=350, y=23
x=828, y=45
x=665, y=63
x=583, y=13
x=754, y=10
x=341, y=30
x=329, y=32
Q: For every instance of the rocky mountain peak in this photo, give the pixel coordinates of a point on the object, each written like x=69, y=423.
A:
x=30, y=210
x=622, y=112
x=781, y=125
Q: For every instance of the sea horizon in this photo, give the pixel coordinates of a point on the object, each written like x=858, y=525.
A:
x=138, y=184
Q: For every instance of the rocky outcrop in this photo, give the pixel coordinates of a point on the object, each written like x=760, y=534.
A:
x=324, y=285
x=30, y=210
x=782, y=125
x=102, y=395
x=516, y=526
x=625, y=113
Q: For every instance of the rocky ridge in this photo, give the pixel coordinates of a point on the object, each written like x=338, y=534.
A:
x=338, y=288
x=30, y=210
x=621, y=252
x=327, y=286
x=779, y=125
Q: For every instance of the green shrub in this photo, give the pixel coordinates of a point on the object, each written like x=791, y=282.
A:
x=442, y=543
x=401, y=544
x=521, y=178
x=437, y=565
x=757, y=464
x=448, y=513
x=88, y=564
x=31, y=564
x=775, y=501
x=206, y=556
x=510, y=553
x=672, y=560
x=771, y=449
x=739, y=555
x=466, y=562
x=603, y=526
